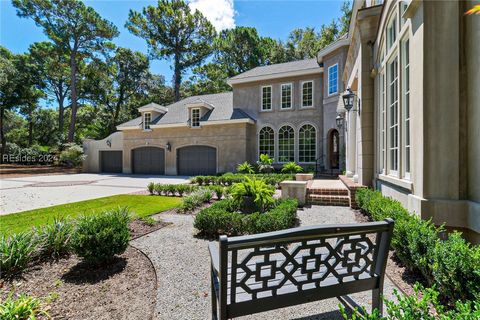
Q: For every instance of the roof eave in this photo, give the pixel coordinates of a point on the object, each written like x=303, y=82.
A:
x=331, y=48
x=316, y=70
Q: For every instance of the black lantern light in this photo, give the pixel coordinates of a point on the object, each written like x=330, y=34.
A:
x=339, y=121
x=348, y=99
x=169, y=147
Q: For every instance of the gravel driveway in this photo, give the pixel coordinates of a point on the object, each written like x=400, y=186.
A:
x=182, y=264
x=27, y=193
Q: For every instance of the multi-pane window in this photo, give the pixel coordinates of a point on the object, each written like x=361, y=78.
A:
x=391, y=33
x=267, y=98
x=406, y=101
x=403, y=7
x=307, y=137
x=195, y=118
x=147, y=120
x=286, y=144
x=393, y=114
x=333, y=79
x=286, y=96
x=307, y=94
x=266, y=142
x=382, y=122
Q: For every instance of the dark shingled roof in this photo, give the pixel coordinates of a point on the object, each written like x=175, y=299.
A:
x=222, y=104
x=278, y=68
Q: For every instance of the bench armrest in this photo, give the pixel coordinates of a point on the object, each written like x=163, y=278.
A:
x=214, y=256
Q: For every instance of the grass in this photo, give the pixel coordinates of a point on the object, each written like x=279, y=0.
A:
x=140, y=205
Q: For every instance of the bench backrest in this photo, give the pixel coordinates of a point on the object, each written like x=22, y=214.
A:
x=302, y=258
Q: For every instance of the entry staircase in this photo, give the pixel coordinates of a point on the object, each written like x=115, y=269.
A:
x=328, y=193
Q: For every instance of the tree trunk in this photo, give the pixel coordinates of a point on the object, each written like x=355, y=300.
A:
x=30, y=128
x=177, y=76
x=73, y=95
x=3, y=140
x=61, y=115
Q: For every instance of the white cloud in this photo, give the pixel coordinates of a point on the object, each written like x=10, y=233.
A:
x=219, y=12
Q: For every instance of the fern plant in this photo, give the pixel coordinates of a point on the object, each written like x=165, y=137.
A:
x=245, y=167
x=265, y=163
x=257, y=189
x=291, y=167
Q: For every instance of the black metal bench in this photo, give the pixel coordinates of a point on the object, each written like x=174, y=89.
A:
x=256, y=273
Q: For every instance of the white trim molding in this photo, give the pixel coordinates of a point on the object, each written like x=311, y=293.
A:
x=272, y=76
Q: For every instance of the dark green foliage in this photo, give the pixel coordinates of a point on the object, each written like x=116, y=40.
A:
x=151, y=187
x=55, y=239
x=453, y=266
x=229, y=179
x=218, y=190
x=98, y=238
x=223, y=218
x=16, y=252
x=291, y=167
x=170, y=189
x=256, y=189
x=245, y=167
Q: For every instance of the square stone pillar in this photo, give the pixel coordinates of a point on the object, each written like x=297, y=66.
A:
x=294, y=190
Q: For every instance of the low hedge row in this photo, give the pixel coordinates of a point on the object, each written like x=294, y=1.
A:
x=452, y=265
x=223, y=218
x=229, y=179
x=95, y=238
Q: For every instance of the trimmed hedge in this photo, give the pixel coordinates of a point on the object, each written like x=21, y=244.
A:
x=452, y=266
x=229, y=179
x=223, y=218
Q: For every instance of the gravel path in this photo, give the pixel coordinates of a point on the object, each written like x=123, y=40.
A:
x=182, y=265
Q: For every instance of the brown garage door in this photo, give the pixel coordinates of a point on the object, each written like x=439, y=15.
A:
x=196, y=160
x=111, y=161
x=148, y=160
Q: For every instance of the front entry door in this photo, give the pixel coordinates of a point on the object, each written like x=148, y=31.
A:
x=334, y=149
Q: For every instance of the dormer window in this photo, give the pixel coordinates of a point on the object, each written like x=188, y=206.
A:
x=195, y=117
x=147, y=119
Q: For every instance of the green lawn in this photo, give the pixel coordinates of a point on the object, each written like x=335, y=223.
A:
x=140, y=206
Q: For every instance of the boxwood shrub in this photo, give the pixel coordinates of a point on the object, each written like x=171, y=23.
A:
x=229, y=179
x=223, y=218
x=452, y=265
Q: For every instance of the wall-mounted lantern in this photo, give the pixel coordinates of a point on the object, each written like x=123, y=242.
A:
x=169, y=147
x=339, y=120
x=349, y=100
x=109, y=143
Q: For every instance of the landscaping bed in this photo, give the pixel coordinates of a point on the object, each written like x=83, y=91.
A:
x=72, y=290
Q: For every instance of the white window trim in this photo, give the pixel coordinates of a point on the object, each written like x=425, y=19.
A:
x=390, y=171
x=191, y=117
x=328, y=83
x=149, y=124
x=406, y=175
x=301, y=94
x=291, y=96
x=261, y=99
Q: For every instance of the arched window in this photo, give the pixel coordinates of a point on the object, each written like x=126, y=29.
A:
x=266, y=142
x=307, y=143
x=286, y=144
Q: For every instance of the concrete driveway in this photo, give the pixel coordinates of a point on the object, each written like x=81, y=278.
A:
x=27, y=193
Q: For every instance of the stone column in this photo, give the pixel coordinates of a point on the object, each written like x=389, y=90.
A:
x=351, y=143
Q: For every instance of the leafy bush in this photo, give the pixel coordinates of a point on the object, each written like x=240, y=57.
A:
x=159, y=189
x=55, y=239
x=223, y=218
x=21, y=308
x=72, y=156
x=151, y=187
x=261, y=193
x=291, y=167
x=453, y=265
x=229, y=179
x=16, y=252
x=195, y=200
x=265, y=163
x=30, y=155
x=245, y=167
x=218, y=190
x=423, y=304
x=98, y=238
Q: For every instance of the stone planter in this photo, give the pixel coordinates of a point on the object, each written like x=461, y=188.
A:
x=304, y=176
x=295, y=190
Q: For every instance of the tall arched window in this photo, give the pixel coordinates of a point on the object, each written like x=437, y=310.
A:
x=266, y=142
x=307, y=146
x=286, y=144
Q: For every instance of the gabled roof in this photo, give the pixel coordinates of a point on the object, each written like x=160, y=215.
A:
x=287, y=69
x=152, y=106
x=177, y=115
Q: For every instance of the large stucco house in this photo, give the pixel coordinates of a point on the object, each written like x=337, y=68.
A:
x=285, y=110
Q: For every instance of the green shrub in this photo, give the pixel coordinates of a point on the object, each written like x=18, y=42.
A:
x=261, y=193
x=181, y=189
x=16, y=252
x=195, y=200
x=151, y=187
x=245, y=167
x=72, y=156
x=453, y=266
x=160, y=189
x=98, y=238
x=21, y=308
x=171, y=189
x=265, y=163
x=223, y=218
x=218, y=190
x=291, y=167
x=55, y=239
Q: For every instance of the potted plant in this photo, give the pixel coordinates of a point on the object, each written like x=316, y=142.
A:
x=253, y=195
x=265, y=163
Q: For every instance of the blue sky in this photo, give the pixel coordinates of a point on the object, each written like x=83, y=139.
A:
x=271, y=18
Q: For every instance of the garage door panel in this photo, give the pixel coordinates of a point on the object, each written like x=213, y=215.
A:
x=111, y=161
x=196, y=160
x=148, y=160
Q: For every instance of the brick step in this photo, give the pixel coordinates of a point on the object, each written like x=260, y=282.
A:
x=328, y=200
x=328, y=192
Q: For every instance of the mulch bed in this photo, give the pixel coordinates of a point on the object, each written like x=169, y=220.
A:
x=16, y=171
x=402, y=277
x=125, y=289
